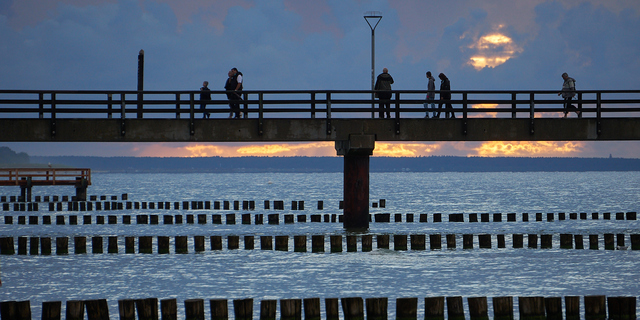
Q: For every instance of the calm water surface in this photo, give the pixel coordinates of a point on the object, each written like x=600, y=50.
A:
x=257, y=274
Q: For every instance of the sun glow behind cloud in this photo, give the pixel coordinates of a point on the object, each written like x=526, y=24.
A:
x=492, y=50
x=528, y=149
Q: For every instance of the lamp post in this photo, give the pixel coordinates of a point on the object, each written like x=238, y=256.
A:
x=373, y=18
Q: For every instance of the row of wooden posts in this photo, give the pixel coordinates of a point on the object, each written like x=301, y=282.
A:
x=402, y=242
x=596, y=307
x=275, y=218
x=236, y=205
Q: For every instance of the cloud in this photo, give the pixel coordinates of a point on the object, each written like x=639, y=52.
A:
x=528, y=149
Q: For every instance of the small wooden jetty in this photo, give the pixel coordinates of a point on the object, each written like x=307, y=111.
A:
x=26, y=178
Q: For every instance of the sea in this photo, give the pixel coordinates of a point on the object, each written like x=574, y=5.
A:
x=270, y=274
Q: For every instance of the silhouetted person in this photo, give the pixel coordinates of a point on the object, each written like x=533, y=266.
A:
x=568, y=92
x=205, y=95
x=234, y=92
x=383, y=84
x=431, y=95
x=445, y=97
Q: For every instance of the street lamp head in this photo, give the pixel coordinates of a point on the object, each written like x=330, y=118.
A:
x=373, y=18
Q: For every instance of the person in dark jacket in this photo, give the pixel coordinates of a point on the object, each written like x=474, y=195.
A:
x=234, y=91
x=383, y=85
x=445, y=97
x=568, y=92
x=205, y=95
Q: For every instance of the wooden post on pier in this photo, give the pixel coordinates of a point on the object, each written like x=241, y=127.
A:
x=434, y=308
x=268, y=309
x=194, y=309
x=353, y=308
x=478, y=309
x=376, y=308
x=356, y=151
x=219, y=309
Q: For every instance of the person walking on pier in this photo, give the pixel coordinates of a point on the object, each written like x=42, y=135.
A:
x=445, y=97
x=205, y=95
x=234, y=92
x=383, y=85
x=431, y=96
x=568, y=92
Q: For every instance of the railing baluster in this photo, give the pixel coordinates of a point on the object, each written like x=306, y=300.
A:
x=53, y=114
x=41, y=104
x=580, y=105
x=464, y=113
x=328, y=113
x=109, y=105
x=397, y=120
x=177, y=106
x=531, y=113
x=191, y=114
x=260, y=112
x=598, y=112
x=122, y=114
x=313, y=105
x=513, y=105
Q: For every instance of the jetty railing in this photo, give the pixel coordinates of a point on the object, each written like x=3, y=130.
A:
x=308, y=104
x=44, y=176
x=596, y=307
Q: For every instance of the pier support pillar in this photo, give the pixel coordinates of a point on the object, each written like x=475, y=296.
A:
x=356, y=152
x=81, y=188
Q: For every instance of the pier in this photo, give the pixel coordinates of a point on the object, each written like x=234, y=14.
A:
x=343, y=116
x=26, y=178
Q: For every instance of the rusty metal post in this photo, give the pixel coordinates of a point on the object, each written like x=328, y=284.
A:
x=356, y=152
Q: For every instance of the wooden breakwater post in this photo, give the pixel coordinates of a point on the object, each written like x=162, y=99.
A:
x=7, y=246
x=112, y=246
x=19, y=310
x=145, y=244
x=243, y=309
x=376, y=308
x=266, y=242
x=193, y=309
x=75, y=310
x=478, y=309
x=531, y=308
x=434, y=308
x=129, y=245
x=163, y=245
x=169, y=309
x=126, y=308
x=147, y=309
x=198, y=243
x=400, y=242
x=249, y=242
x=451, y=241
x=455, y=309
x=352, y=243
x=383, y=241
x=216, y=242
x=97, y=309
x=311, y=308
x=595, y=308
x=233, y=242
x=407, y=308
x=80, y=245
x=572, y=307
x=553, y=308
x=336, y=243
x=435, y=241
x=219, y=309
x=268, y=309
x=317, y=243
x=181, y=244
x=502, y=308
x=367, y=243
x=282, y=243
x=621, y=308
x=51, y=310
x=300, y=243
x=418, y=242
x=353, y=308
x=467, y=241
x=332, y=308
x=290, y=309
x=96, y=245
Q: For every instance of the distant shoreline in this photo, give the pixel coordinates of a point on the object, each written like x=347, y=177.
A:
x=335, y=164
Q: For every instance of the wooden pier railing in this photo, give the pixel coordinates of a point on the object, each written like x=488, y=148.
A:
x=596, y=307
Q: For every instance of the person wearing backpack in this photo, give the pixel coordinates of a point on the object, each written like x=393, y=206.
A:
x=383, y=85
x=568, y=92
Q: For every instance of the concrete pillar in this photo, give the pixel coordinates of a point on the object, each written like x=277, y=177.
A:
x=356, y=152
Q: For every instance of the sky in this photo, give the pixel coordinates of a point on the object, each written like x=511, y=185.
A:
x=321, y=44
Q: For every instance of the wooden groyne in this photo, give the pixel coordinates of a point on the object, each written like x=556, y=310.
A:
x=288, y=218
x=595, y=307
x=318, y=243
